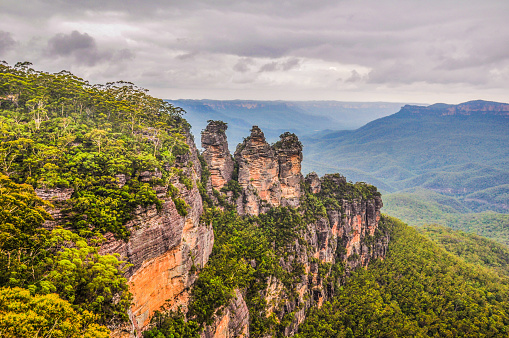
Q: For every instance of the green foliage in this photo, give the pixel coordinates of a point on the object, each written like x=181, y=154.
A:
x=424, y=207
x=58, y=131
x=472, y=248
x=288, y=140
x=419, y=290
x=56, y=261
x=335, y=188
x=244, y=256
x=25, y=315
x=234, y=187
x=172, y=325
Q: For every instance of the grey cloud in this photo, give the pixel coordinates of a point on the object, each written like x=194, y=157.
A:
x=402, y=42
x=124, y=54
x=290, y=64
x=6, y=42
x=62, y=44
x=269, y=67
x=243, y=65
x=354, y=77
x=83, y=49
x=284, y=66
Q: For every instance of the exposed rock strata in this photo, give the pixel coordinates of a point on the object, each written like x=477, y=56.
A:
x=271, y=176
x=163, y=248
x=216, y=153
x=289, y=154
x=268, y=175
x=233, y=323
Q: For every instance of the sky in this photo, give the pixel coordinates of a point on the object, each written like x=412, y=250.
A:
x=346, y=50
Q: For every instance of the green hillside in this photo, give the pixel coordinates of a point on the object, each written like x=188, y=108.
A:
x=422, y=207
x=420, y=290
x=59, y=131
x=471, y=248
x=446, y=164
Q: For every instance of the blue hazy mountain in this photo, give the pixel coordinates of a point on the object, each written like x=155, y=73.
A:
x=276, y=117
x=460, y=151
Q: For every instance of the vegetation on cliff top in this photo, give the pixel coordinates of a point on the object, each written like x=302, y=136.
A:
x=106, y=146
x=58, y=131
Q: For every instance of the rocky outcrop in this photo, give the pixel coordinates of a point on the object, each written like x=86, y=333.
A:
x=234, y=322
x=345, y=237
x=165, y=249
x=258, y=174
x=314, y=183
x=268, y=175
x=216, y=153
x=289, y=154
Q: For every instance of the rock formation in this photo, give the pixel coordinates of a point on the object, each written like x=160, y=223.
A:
x=346, y=236
x=289, y=154
x=258, y=174
x=166, y=250
x=216, y=153
x=269, y=175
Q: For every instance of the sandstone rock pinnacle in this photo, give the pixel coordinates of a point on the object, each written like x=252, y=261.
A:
x=216, y=153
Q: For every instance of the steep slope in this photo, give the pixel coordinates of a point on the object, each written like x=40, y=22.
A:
x=120, y=168
x=419, y=290
x=107, y=203
x=283, y=244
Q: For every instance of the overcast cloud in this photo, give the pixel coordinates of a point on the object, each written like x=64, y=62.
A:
x=351, y=50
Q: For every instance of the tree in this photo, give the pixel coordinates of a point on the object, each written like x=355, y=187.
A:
x=25, y=315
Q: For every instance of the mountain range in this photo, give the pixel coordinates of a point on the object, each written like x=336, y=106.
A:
x=276, y=117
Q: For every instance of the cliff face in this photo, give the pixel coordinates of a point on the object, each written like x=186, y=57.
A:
x=345, y=237
x=478, y=107
x=269, y=175
x=216, y=154
x=164, y=248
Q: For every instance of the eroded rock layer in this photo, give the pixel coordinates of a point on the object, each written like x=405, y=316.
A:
x=165, y=249
x=268, y=175
x=216, y=153
x=346, y=236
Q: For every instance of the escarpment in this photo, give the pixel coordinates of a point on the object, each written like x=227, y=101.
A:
x=339, y=232
x=166, y=247
x=314, y=232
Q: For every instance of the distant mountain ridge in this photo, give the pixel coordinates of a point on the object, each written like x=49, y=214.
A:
x=479, y=107
x=460, y=151
x=276, y=117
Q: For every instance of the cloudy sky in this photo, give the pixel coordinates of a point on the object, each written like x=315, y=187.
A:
x=350, y=50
